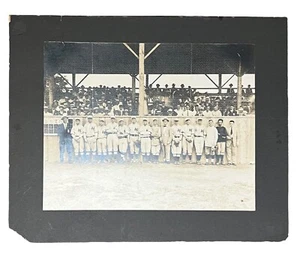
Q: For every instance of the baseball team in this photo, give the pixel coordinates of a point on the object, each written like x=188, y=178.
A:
x=149, y=142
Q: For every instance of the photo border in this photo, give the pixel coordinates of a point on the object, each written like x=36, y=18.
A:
x=268, y=222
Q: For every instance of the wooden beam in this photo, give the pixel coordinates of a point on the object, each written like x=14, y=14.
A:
x=220, y=83
x=50, y=81
x=211, y=80
x=82, y=80
x=64, y=79
x=151, y=51
x=131, y=50
x=133, y=91
x=228, y=80
x=156, y=79
x=142, y=79
x=73, y=80
x=147, y=80
x=239, y=85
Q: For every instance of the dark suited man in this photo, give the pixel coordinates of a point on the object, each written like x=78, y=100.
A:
x=65, y=139
x=231, y=111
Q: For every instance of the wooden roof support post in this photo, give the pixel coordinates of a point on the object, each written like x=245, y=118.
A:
x=133, y=90
x=50, y=81
x=239, y=84
x=141, y=78
x=220, y=83
x=147, y=80
x=73, y=80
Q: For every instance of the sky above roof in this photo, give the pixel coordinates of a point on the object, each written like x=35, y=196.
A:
x=193, y=80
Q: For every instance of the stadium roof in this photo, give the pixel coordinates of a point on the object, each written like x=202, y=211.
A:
x=168, y=58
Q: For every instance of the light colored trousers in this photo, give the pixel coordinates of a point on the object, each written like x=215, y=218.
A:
x=90, y=145
x=123, y=145
x=112, y=144
x=155, y=149
x=102, y=146
x=231, y=151
x=187, y=147
x=145, y=146
x=134, y=149
x=78, y=145
x=166, y=149
x=176, y=150
x=199, y=144
x=221, y=148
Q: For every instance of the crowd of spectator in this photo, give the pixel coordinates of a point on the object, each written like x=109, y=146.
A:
x=161, y=101
x=191, y=102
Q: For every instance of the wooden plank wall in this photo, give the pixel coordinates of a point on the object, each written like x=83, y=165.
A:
x=245, y=126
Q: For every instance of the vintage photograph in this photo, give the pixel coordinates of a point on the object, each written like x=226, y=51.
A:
x=149, y=126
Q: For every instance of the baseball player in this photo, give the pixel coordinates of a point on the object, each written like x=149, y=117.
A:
x=199, y=134
x=221, y=143
x=102, y=141
x=78, y=142
x=155, y=140
x=145, y=134
x=65, y=139
x=176, y=130
x=90, y=132
x=210, y=142
x=187, y=141
x=232, y=143
x=133, y=138
x=166, y=138
x=123, y=139
x=112, y=139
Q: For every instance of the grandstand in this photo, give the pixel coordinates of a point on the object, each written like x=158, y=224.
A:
x=63, y=96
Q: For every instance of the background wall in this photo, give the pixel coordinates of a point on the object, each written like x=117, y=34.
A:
x=245, y=126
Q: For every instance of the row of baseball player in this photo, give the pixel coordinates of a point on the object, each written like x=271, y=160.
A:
x=111, y=142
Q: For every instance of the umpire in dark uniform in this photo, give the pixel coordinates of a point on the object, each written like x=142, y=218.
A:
x=65, y=139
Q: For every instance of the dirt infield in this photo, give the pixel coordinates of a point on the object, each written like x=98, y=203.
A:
x=148, y=187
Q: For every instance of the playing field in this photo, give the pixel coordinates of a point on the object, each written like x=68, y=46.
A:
x=148, y=187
